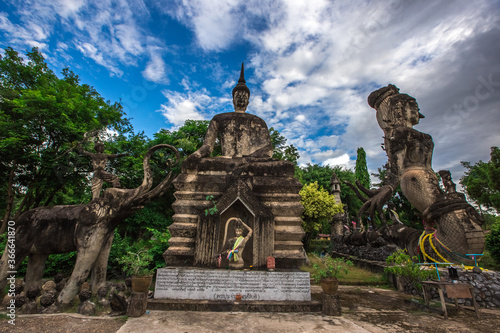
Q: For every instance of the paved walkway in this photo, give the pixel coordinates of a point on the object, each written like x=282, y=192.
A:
x=237, y=322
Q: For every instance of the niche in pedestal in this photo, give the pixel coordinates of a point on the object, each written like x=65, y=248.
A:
x=237, y=202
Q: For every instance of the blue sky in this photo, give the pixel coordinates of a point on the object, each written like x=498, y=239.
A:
x=310, y=65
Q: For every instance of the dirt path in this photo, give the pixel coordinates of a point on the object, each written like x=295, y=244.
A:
x=380, y=310
x=365, y=309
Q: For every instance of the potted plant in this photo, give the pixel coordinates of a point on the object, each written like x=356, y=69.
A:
x=328, y=271
x=137, y=265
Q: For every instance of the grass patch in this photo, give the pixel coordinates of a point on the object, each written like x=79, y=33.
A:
x=355, y=275
x=4, y=316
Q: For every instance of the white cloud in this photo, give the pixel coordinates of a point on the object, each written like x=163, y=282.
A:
x=108, y=32
x=215, y=23
x=155, y=69
x=194, y=105
x=342, y=160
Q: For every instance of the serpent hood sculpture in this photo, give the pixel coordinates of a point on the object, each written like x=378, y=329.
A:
x=452, y=226
x=87, y=229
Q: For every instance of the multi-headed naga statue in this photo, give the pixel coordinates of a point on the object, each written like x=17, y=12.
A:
x=452, y=226
x=87, y=229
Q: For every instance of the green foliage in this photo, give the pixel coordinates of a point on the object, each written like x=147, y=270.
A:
x=322, y=175
x=347, y=195
x=155, y=241
x=361, y=170
x=212, y=210
x=281, y=150
x=482, y=180
x=42, y=118
x=319, y=205
x=60, y=263
x=137, y=263
x=315, y=173
x=404, y=266
x=492, y=242
x=330, y=268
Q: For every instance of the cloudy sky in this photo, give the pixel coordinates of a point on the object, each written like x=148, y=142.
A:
x=310, y=65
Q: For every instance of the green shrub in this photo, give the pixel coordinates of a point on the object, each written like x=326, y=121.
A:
x=493, y=242
x=330, y=268
x=404, y=266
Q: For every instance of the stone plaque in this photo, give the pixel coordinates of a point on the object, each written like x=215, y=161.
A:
x=223, y=285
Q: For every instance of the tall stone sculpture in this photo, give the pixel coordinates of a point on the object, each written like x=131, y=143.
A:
x=244, y=183
x=87, y=229
x=452, y=226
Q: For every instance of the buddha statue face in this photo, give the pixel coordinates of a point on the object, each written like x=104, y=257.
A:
x=240, y=101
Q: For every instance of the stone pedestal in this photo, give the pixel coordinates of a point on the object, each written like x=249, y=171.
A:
x=261, y=192
x=331, y=304
x=137, y=305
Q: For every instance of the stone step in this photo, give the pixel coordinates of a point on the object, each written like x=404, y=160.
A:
x=179, y=251
x=190, y=207
x=285, y=208
x=288, y=233
x=278, y=197
x=182, y=230
x=181, y=242
x=289, y=254
x=185, y=218
x=287, y=220
x=190, y=195
x=288, y=245
x=227, y=306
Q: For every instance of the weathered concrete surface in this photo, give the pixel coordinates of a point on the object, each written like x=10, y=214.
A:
x=364, y=309
x=200, y=322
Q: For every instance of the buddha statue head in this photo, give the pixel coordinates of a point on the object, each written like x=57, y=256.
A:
x=241, y=93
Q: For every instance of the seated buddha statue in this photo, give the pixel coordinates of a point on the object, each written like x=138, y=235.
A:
x=244, y=138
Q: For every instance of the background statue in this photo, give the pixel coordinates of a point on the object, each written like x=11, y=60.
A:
x=455, y=226
x=99, y=162
x=87, y=229
x=236, y=245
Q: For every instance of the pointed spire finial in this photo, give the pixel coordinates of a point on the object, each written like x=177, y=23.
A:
x=242, y=74
x=241, y=82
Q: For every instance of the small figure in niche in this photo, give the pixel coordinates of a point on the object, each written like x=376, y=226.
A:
x=235, y=246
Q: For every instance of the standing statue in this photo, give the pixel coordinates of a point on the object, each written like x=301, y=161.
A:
x=87, y=229
x=236, y=245
x=452, y=226
x=99, y=162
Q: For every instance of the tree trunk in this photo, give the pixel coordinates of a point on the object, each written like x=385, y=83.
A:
x=10, y=198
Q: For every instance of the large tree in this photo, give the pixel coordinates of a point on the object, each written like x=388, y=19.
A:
x=482, y=180
x=42, y=117
x=361, y=169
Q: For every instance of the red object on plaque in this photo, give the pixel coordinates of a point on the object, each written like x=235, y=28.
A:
x=271, y=263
